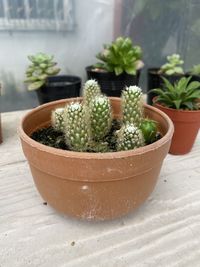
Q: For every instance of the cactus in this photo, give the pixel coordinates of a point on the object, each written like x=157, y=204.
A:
x=129, y=137
x=76, y=130
x=57, y=119
x=100, y=117
x=149, y=130
x=41, y=67
x=132, y=105
x=90, y=90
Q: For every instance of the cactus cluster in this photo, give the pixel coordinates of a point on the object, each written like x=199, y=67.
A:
x=42, y=66
x=86, y=125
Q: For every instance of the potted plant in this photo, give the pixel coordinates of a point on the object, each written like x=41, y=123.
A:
x=180, y=101
x=119, y=66
x=96, y=157
x=194, y=73
x=171, y=70
x=41, y=75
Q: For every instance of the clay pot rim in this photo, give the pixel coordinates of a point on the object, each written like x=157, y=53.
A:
x=91, y=155
x=175, y=110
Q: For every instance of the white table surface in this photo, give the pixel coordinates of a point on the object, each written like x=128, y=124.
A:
x=165, y=231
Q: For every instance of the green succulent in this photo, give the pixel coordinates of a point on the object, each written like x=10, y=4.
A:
x=149, y=130
x=173, y=66
x=183, y=94
x=42, y=66
x=120, y=56
x=57, y=119
x=90, y=90
x=129, y=137
x=100, y=117
x=75, y=127
x=132, y=106
x=195, y=70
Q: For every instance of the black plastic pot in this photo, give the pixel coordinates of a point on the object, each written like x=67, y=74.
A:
x=155, y=81
x=112, y=85
x=195, y=78
x=59, y=87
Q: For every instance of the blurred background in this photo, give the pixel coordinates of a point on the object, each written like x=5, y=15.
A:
x=75, y=30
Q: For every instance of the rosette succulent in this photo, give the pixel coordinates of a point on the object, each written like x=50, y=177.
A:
x=120, y=56
x=42, y=66
x=173, y=66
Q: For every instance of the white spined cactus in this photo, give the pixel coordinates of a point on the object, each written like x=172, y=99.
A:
x=129, y=137
x=76, y=130
x=100, y=117
x=132, y=106
x=57, y=119
x=90, y=90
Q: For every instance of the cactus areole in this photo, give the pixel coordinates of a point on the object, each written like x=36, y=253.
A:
x=94, y=186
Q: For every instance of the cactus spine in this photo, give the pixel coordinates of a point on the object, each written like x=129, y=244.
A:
x=57, y=119
x=129, y=137
x=90, y=90
x=100, y=117
x=132, y=105
x=76, y=130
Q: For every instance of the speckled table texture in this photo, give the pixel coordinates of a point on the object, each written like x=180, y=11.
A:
x=165, y=231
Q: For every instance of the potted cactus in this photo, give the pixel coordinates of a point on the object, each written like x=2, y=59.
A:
x=105, y=157
x=41, y=75
x=119, y=66
x=172, y=70
x=180, y=101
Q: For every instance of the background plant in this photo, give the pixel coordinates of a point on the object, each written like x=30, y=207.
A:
x=180, y=95
x=173, y=66
x=41, y=67
x=195, y=70
x=120, y=56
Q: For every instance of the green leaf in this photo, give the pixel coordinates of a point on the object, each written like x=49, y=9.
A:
x=35, y=85
x=177, y=103
x=118, y=70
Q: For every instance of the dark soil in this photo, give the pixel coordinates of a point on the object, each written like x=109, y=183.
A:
x=50, y=137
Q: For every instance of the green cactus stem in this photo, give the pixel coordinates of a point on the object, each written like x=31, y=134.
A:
x=90, y=90
x=129, y=137
x=76, y=130
x=132, y=107
x=149, y=130
x=57, y=119
x=100, y=117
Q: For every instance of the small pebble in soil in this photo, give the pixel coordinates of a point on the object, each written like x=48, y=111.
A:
x=45, y=203
x=73, y=243
x=165, y=181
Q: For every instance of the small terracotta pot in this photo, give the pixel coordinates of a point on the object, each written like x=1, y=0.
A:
x=94, y=185
x=186, y=126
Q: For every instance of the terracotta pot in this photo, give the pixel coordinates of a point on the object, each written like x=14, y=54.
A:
x=94, y=185
x=186, y=126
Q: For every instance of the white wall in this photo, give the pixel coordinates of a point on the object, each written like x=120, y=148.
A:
x=73, y=50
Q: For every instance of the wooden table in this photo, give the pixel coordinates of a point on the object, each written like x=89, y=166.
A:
x=165, y=231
